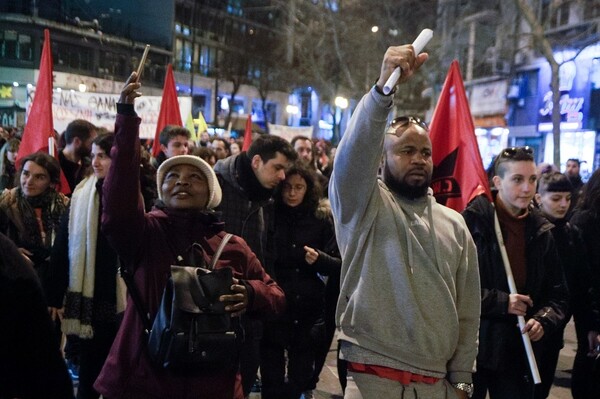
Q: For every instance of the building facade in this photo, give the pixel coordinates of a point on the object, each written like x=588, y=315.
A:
x=217, y=48
x=508, y=79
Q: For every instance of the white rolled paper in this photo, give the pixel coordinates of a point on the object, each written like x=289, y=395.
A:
x=51, y=146
x=419, y=44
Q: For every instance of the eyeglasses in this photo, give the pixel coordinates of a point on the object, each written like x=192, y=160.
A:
x=297, y=187
x=403, y=122
x=513, y=152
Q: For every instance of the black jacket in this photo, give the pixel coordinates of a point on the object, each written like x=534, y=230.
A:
x=246, y=212
x=499, y=338
x=589, y=225
x=31, y=364
x=302, y=283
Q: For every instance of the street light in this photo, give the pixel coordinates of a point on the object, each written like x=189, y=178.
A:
x=292, y=109
x=374, y=29
x=341, y=102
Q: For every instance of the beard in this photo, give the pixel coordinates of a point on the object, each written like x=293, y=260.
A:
x=411, y=191
x=84, y=152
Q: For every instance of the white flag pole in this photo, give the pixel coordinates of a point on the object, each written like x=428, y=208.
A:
x=513, y=290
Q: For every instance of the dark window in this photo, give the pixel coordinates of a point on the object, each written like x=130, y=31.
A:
x=15, y=46
x=25, y=48
x=73, y=57
x=592, y=9
x=9, y=45
x=111, y=65
x=554, y=17
x=198, y=105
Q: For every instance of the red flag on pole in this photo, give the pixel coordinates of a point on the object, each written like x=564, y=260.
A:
x=38, y=134
x=247, y=134
x=169, y=109
x=458, y=174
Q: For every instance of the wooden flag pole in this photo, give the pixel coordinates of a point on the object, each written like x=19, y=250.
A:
x=513, y=290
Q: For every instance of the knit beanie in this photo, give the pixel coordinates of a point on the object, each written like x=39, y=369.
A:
x=214, y=188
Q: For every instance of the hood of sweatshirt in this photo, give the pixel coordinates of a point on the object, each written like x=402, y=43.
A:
x=411, y=207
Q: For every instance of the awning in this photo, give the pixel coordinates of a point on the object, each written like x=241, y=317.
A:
x=489, y=121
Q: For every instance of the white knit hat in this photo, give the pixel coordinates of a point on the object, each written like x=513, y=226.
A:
x=214, y=188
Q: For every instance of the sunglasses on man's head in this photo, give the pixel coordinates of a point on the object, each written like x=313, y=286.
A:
x=512, y=152
x=404, y=122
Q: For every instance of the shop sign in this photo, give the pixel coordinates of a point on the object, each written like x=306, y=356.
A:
x=571, y=109
x=6, y=92
x=488, y=98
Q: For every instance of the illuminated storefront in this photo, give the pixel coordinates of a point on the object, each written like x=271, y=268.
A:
x=487, y=101
x=579, y=80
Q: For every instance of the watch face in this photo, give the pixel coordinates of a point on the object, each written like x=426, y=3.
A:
x=463, y=386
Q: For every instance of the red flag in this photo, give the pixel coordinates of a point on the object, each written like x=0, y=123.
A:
x=39, y=128
x=169, y=109
x=247, y=134
x=458, y=174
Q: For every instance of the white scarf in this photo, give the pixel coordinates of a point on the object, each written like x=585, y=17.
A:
x=83, y=238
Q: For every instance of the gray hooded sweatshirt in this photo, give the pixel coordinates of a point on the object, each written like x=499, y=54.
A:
x=410, y=295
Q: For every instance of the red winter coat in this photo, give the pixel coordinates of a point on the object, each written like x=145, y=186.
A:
x=145, y=241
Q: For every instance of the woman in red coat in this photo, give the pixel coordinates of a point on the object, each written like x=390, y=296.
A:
x=148, y=244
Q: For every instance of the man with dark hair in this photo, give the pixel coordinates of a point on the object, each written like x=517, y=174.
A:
x=542, y=298
x=173, y=141
x=572, y=172
x=248, y=181
x=74, y=157
x=304, y=147
x=221, y=147
x=408, y=310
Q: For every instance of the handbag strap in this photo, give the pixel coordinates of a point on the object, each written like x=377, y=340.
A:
x=135, y=294
x=217, y=255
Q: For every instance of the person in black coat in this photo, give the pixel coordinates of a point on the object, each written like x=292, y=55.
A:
x=585, y=383
x=553, y=198
x=31, y=365
x=306, y=251
x=542, y=296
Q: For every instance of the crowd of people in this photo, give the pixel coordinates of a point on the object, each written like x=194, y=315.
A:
x=416, y=292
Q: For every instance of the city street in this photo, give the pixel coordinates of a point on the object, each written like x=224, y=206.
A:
x=329, y=388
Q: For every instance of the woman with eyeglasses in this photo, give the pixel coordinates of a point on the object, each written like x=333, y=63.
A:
x=542, y=297
x=306, y=250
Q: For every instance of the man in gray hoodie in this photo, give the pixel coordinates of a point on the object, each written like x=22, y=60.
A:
x=408, y=312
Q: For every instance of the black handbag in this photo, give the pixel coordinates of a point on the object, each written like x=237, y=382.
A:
x=192, y=331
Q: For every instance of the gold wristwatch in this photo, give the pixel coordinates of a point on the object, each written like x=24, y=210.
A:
x=463, y=386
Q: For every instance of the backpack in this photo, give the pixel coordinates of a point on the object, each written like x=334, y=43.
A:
x=192, y=331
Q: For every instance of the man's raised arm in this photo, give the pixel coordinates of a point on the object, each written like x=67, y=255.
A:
x=354, y=178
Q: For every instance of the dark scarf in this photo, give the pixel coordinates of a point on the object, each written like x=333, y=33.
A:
x=248, y=180
x=52, y=207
